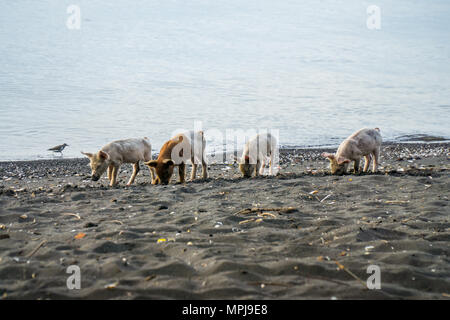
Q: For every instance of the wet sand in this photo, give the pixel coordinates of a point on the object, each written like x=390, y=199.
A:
x=197, y=241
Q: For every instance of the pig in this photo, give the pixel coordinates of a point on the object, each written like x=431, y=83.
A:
x=363, y=143
x=176, y=152
x=114, y=154
x=255, y=154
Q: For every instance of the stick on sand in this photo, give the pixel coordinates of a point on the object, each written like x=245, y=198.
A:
x=341, y=266
x=282, y=209
x=36, y=249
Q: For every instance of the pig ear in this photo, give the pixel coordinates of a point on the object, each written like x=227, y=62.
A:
x=103, y=155
x=87, y=154
x=151, y=163
x=328, y=155
x=343, y=160
x=169, y=162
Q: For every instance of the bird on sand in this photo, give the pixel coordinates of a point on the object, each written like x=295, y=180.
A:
x=59, y=148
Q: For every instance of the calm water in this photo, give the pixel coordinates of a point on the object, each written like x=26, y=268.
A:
x=311, y=69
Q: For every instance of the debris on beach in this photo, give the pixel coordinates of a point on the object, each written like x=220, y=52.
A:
x=73, y=214
x=36, y=249
x=266, y=214
x=80, y=235
x=150, y=277
x=112, y=285
x=247, y=221
x=259, y=209
x=115, y=221
x=342, y=267
x=367, y=249
x=396, y=201
x=325, y=198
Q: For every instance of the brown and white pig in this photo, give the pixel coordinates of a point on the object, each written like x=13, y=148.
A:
x=114, y=154
x=176, y=152
x=255, y=154
x=363, y=143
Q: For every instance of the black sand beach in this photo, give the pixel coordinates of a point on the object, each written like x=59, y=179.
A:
x=306, y=235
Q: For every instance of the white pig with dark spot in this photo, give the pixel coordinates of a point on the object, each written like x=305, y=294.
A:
x=363, y=143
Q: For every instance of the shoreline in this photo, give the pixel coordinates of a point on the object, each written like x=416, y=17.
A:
x=418, y=147
x=229, y=237
x=426, y=141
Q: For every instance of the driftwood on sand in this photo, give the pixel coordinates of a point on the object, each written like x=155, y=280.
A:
x=259, y=209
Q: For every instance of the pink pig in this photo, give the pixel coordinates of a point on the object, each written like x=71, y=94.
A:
x=363, y=143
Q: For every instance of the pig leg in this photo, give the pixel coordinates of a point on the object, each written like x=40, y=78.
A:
x=261, y=170
x=135, y=172
x=376, y=155
x=182, y=171
x=257, y=167
x=148, y=157
x=367, y=160
x=194, y=169
x=204, y=168
x=356, y=165
x=153, y=174
x=270, y=165
x=114, y=173
x=110, y=168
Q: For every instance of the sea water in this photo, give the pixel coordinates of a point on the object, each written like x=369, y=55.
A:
x=92, y=71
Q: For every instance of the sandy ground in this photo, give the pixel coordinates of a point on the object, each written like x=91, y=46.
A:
x=196, y=241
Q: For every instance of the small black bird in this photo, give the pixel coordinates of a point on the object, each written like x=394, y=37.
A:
x=59, y=148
